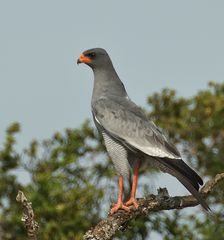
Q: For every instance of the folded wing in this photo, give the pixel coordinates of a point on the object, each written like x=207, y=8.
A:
x=128, y=123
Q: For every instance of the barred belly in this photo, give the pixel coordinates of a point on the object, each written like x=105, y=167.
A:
x=118, y=154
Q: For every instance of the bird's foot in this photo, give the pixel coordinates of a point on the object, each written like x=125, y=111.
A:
x=132, y=201
x=117, y=206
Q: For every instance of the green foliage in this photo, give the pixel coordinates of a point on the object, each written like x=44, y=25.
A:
x=9, y=162
x=196, y=123
x=63, y=194
x=72, y=182
x=62, y=190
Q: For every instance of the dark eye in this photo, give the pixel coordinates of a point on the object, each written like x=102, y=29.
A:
x=91, y=55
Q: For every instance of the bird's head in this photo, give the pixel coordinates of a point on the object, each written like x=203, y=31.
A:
x=95, y=58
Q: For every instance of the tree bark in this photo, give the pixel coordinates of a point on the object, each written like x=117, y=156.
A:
x=28, y=216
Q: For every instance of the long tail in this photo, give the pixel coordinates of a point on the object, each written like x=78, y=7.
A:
x=187, y=176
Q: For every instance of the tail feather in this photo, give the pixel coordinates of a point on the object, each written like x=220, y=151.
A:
x=180, y=166
x=187, y=176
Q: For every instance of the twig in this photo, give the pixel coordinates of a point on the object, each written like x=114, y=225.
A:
x=106, y=229
x=28, y=216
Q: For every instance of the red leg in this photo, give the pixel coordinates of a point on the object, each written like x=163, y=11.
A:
x=119, y=204
x=133, y=200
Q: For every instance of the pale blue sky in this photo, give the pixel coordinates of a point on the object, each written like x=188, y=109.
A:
x=153, y=44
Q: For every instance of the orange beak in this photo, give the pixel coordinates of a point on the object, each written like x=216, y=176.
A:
x=83, y=59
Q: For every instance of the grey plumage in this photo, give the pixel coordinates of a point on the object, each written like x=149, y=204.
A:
x=118, y=154
x=128, y=135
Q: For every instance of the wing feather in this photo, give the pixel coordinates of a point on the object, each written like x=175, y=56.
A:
x=125, y=121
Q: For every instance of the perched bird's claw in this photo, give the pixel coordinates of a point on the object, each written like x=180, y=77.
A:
x=132, y=201
x=117, y=206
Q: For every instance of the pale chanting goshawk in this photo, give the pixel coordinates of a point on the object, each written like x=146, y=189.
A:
x=131, y=139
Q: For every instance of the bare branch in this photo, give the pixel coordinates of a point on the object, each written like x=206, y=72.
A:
x=108, y=227
x=28, y=216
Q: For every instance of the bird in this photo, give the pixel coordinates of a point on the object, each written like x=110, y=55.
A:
x=131, y=139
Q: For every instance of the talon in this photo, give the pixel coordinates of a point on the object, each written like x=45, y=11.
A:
x=117, y=206
x=132, y=201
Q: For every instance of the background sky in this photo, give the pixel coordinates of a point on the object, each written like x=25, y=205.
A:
x=153, y=44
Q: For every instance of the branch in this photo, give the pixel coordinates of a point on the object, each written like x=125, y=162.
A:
x=28, y=216
x=106, y=229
